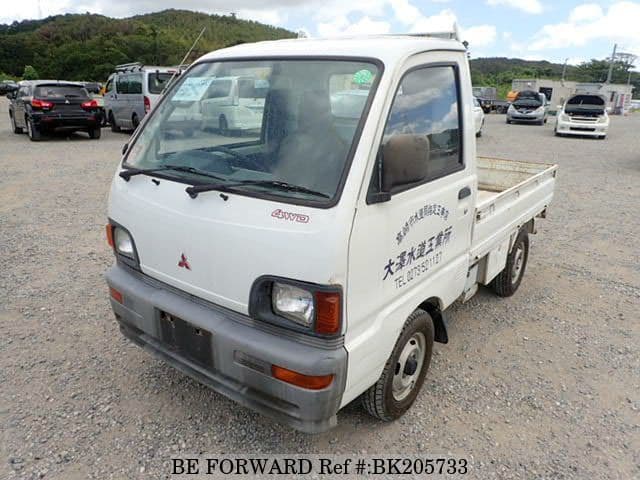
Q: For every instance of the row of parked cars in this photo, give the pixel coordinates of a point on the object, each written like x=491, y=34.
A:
x=229, y=104
x=582, y=114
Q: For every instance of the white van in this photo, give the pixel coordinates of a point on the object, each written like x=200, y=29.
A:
x=234, y=104
x=311, y=263
x=132, y=91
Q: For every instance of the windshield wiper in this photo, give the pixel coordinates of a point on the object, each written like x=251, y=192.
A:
x=127, y=174
x=196, y=189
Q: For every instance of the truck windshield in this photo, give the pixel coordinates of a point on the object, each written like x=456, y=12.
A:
x=259, y=124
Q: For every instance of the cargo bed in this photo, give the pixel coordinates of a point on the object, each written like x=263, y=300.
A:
x=510, y=193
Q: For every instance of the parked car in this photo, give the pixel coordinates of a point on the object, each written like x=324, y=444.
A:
x=528, y=107
x=132, y=91
x=7, y=86
x=95, y=91
x=311, y=265
x=478, y=116
x=45, y=106
x=234, y=104
x=583, y=114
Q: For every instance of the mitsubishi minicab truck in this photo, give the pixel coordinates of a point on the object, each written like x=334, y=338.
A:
x=310, y=262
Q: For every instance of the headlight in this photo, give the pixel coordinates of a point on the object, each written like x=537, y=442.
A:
x=602, y=119
x=564, y=117
x=123, y=243
x=293, y=303
x=302, y=306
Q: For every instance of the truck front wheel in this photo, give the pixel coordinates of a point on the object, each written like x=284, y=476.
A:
x=508, y=280
x=403, y=375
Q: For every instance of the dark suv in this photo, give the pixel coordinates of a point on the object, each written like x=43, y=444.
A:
x=42, y=106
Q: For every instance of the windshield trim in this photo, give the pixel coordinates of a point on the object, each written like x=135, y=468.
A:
x=276, y=196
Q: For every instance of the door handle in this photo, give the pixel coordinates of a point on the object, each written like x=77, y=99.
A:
x=464, y=193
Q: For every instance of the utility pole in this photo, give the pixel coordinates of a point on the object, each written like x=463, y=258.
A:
x=613, y=59
x=564, y=70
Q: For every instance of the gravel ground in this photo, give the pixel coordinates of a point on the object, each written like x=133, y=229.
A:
x=545, y=384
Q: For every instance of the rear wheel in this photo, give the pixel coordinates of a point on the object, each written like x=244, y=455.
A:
x=112, y=121
x=95, y=133
x=14, y=127
x=509, y=279
x=32, y=131
x=403, y=375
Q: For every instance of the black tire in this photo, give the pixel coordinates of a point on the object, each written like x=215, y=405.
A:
x=95, y=133
x=135, y=121
x=14, y=127
x=32, y=131
x=223, y=126
x=508, y=280
x=380, y=400
x=112, y=120
x=557, y=133
x=508, y=121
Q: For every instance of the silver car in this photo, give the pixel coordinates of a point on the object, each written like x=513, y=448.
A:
x=529, y=107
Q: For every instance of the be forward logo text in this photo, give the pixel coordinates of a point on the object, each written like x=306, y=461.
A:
x=291, y=216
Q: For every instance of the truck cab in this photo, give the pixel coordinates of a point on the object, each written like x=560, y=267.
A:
x=311, y=263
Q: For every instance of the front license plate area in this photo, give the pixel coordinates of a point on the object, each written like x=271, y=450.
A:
x=185, y=339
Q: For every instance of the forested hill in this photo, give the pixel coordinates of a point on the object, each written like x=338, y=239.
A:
x=87, y=46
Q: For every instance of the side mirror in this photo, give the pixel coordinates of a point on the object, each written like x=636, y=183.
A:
x=403, y=159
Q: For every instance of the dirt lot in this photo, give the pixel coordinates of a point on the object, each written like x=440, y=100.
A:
x=545, y=384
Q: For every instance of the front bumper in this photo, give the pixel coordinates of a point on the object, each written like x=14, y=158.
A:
x=242, y=352
x=582, y=129
x=523, y=117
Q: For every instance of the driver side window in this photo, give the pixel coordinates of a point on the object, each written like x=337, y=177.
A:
x=422, y=139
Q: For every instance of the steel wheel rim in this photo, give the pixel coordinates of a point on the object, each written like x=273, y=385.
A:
x=518, y=261
x=414, y=350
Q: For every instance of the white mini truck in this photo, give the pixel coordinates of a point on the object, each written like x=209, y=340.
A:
x=310, y=263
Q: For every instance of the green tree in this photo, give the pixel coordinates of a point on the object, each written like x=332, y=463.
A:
x=30, y=73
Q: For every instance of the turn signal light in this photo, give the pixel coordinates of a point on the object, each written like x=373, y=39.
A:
x=109, y=228
x=116, y=295
x=328, y=313
x=310, y=382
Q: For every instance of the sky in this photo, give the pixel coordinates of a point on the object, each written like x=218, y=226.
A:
x=553, y=30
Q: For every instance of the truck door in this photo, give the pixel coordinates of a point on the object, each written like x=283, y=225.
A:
x=414, y=245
